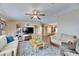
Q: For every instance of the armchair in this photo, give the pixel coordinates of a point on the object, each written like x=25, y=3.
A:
x=9, y=49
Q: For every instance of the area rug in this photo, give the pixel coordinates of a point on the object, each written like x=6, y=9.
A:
x=26, y=49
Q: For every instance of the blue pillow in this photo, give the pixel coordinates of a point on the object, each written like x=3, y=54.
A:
x=9, y=38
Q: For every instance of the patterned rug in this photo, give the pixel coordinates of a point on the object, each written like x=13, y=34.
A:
x=26, y=49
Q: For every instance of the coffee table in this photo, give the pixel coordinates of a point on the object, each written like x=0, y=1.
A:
x=37, y=43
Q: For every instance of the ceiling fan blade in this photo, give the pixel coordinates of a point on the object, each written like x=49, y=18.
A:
x=31, y=17
x=39, y=18
x=41, y=14
x=28, y=14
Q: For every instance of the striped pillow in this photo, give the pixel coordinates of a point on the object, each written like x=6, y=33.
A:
x=9, y=38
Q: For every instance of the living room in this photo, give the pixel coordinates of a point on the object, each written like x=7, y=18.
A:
x=50, y=25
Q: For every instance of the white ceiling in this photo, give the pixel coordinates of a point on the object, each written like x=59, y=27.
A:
x=16, y=11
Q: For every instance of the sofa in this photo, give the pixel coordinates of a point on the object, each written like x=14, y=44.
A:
x=70, y=49
x=10, y=48
x=69, y=44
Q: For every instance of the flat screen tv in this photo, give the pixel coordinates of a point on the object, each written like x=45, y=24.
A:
x=28, y=30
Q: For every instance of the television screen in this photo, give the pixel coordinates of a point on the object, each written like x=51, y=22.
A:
x=28, y=30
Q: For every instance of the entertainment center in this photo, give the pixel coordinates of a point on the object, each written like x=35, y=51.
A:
x=27, y=33
x=29, y=30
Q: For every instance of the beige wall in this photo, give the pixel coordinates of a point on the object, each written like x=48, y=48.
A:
x=11, y=26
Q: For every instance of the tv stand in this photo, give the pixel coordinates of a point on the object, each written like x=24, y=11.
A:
x=27, y=37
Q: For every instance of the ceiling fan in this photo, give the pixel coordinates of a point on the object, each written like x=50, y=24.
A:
x=35, y=14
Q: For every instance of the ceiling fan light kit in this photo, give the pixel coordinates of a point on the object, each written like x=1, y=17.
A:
x=35, y=16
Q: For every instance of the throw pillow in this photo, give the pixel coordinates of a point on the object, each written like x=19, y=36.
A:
x=9, y=38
